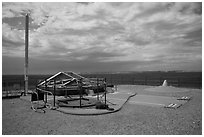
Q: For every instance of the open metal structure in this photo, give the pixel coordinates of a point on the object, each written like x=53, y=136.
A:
x=71, y=87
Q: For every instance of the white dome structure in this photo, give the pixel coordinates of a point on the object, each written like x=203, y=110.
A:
x=165, y=84
x=166, y=88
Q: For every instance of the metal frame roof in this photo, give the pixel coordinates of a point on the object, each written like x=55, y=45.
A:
x=65, y=73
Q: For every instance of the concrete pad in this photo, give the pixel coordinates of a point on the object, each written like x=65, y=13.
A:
x=159, y=101
x=167, y=89
x=115, y=101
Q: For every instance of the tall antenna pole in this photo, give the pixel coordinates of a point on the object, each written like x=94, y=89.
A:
x=26, y=54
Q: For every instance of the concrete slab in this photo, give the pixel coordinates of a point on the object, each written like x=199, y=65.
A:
x=168, y=89
x=115, y=101
x=159, y=101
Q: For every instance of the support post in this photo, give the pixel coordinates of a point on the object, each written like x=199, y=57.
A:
x=80, y=90
x=26, y=55
x=54, y=91
x=46, y=90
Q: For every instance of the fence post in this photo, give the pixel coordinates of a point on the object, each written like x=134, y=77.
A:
x=105, y=91
x=97, y=90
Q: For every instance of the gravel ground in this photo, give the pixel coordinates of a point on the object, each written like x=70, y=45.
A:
x=19, y=119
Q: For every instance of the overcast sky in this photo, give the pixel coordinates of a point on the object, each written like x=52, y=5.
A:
x=95, y=37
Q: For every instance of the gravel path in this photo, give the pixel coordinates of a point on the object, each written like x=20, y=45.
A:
x=19, y=119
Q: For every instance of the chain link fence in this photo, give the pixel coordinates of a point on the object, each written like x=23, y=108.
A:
x=11, y=83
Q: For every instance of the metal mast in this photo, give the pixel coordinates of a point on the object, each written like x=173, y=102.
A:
x=26, y=54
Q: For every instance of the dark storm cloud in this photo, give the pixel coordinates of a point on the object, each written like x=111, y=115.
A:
x=196, y=8
x=19, y=23
x=186, y=7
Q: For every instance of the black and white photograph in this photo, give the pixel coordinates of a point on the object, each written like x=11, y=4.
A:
x=101, y=68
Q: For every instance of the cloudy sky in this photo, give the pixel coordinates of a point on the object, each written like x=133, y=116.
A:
x=95, y=37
